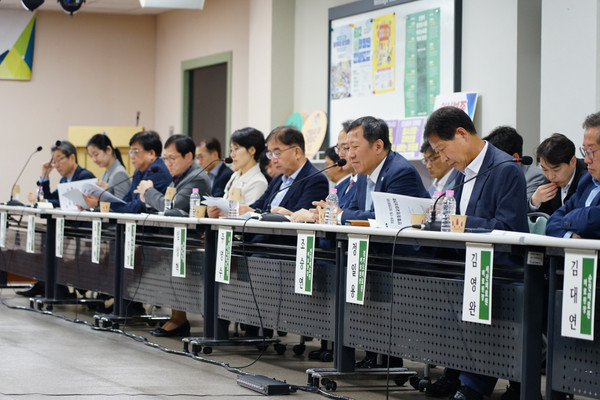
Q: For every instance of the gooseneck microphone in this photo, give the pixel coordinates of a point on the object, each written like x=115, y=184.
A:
x=434, y=225
x=12, y=202
x=151, y=169
x=226, y=160
x=268, y=216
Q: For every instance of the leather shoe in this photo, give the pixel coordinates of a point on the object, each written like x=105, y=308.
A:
x=370, y=361
x=446, y=384
x=181, y=330
x=466, y=393
x=37, y=289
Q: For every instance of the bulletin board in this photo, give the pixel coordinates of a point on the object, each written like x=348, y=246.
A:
x=390, y=59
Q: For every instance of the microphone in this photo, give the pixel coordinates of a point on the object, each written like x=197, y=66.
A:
x=226, y=160
x=12, y=202
x=434, y=225
x=152, y=169
x=137, y=118
x=268, y=216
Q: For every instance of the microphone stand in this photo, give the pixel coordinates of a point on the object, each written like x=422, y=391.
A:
x=12, y=202
x=276, y=217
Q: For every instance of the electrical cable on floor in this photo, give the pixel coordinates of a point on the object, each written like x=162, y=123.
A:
x=128, y=394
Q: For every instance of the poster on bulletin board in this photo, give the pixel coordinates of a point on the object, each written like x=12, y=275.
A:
x=390, y=60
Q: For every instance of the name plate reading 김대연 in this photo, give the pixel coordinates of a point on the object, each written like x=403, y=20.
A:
x=579, y=287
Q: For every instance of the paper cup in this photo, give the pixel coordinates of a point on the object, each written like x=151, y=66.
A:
x=104, y=206
x=457, y=223
x=200, y=211
x=321, y=215
x=417, y=219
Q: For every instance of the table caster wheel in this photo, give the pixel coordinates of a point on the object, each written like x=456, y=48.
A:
x=207, y=350
x=299, y=349
x=280, y=348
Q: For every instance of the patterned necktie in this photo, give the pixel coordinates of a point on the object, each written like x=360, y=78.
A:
x=350, y=184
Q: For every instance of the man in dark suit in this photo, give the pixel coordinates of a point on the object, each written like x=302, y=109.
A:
x=145, y=150
x=495, y=200
x=370, y=154
x=285, y=149
x=207, y=152
x=580, y=216
x=64, y=159
x=563, y=170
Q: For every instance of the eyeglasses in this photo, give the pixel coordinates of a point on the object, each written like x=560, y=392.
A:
x=274, y=155
x=430, y=160
x=57, y=161
x=341, y=150
x=134, y=152
x=588, y=152
x=169, y=159
x=235, y=150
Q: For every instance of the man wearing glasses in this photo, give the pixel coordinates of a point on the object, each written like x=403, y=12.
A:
x=179, y=158
x=145, y=150
x=207, y=153
x=285, y=149
x=64, y=159
x=443, y=175
x=580, y=216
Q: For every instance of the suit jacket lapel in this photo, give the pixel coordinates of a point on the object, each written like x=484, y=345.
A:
x=290, y=193
x=488, y=161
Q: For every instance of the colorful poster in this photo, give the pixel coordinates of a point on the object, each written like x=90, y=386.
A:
x=384, y=47
x=406, y=136
x=17, y=37
x=341, y=56
x=466, y=101
x=422, y=62
x=362, y=60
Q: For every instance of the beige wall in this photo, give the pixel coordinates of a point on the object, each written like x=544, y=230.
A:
x=186, y=35
x=84, y=73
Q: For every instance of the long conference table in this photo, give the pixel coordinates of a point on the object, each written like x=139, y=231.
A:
x=413, y=300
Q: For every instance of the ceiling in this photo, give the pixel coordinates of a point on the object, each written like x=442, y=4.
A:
x=131, y=7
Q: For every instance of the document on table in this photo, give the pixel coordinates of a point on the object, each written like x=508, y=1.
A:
x=70, y=194
x=393, y=210
x=220, y=202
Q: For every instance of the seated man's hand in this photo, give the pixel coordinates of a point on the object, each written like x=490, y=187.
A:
x=281, y=210
x=303, y=215
x=320, y=203
x=90, y=200
x=544, y=193
x=215, y=212
x=141, y=189
x=576, y=236
x=245, y=209
x=103, y=185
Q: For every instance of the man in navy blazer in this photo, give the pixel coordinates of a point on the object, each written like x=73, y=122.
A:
x=370, y=154
x=285, y=149
x=494, y=200
x=580, y=216
x=207, y=152
x=64, y=159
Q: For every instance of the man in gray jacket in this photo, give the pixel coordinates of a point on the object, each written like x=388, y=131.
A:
x=179, y=159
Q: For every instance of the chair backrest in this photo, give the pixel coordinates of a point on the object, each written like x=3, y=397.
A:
x=537, y=222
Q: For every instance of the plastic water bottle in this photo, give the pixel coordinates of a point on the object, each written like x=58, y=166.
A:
x=448, y=209
x=331, y=207
x=40, y=194
x=235, y=196
x=168, y=204
x=438, y=206
x=234, y=209
x=194, y=201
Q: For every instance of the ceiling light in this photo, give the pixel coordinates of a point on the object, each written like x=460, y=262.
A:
x=71, y=6
x=31, y=5
x=170, y=4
